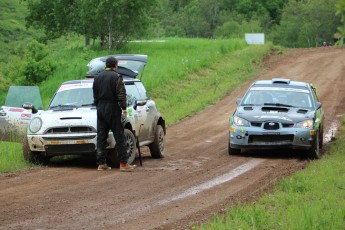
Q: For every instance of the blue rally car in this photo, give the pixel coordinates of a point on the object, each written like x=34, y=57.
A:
x=278, y=113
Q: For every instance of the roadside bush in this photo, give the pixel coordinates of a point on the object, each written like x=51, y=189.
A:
x=38, y=67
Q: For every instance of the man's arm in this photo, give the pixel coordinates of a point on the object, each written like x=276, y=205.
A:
x=121, y=93
x=95, y=93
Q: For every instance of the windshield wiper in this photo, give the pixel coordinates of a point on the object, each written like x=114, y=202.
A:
x=247, y=105
x=63, y=106
x=84, y=105
x=279, y=104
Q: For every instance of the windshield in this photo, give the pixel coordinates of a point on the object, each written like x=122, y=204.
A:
x=290, y=97
x=17, y=95
x=79, y=96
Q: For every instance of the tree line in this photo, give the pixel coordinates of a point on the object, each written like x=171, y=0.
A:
x=290, y=23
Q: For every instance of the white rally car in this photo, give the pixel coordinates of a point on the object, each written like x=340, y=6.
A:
x=13, y=118
x=69, y=125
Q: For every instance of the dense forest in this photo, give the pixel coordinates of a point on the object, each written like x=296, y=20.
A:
x=294, y=23
x=28, y=26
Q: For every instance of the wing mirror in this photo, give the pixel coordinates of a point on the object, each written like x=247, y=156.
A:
x=238, y=101
x=318, y=105
x=139, y=103
x=30, y=106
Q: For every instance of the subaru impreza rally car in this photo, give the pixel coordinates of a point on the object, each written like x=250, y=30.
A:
x=278, y=113
x=68, y=126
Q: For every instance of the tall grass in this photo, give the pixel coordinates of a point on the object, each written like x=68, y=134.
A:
x=311, y=199
x=11, y=158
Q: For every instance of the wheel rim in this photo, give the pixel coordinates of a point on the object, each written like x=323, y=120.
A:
x=130, y=145
x=161, y=141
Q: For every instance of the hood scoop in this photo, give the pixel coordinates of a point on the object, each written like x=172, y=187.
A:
x=247, y=108
x=277, y=109
x=304, y=111
x=70, y=118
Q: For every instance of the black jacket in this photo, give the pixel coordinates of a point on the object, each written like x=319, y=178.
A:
x=108, y=87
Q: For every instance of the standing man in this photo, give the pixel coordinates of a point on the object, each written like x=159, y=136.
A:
x=109, y=95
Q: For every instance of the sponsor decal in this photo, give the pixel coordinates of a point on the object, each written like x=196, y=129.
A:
x=279, y=89
x=23, y=115
x=19, y=110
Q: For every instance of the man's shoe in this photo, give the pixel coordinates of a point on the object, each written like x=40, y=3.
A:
x=103, y=167
x=127, y=167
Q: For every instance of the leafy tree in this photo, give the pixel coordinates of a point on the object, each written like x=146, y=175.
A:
x=234, y=29
x=111, y=21
x=38, y=67
x=340, y=7
x=306, y=23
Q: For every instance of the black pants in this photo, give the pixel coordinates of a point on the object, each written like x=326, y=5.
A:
x=109, y=118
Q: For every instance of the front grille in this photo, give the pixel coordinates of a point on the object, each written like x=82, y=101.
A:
x=271, y=139
x=71, y=137
x=256, y=124
x=287, y=125
x=69, y=149
x=73, y=129
x=271, y=125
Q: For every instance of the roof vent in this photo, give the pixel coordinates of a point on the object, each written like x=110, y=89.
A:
x=280, y=81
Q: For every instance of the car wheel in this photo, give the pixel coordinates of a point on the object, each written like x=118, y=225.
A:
x=157, y=148
x=321, y=139
x=131, y=146
x=233, y=151
x=32, y=156
x=314, y=152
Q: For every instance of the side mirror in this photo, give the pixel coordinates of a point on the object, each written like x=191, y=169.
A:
x=238, y=101
x=139, y=103
x=30, y=106
x=318, y=105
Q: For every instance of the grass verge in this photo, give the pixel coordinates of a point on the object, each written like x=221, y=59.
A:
x=310, y=199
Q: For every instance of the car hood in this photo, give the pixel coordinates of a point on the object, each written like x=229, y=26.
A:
x=273, y=113
x=67, y=118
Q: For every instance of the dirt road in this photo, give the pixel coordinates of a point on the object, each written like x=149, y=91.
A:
x=196, y=178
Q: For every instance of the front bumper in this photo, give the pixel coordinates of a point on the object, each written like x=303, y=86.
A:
x=62, y=144
x=258, y=138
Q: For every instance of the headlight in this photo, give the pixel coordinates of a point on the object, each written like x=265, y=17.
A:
x=305, y=124
x=35, y=124
x=240, y=121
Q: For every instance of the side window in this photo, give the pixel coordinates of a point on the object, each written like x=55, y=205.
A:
x=132, y=93
x=314, y=94
x=141, y=90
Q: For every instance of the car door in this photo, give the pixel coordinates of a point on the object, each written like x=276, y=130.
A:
x=150, y=111
x=136, y=103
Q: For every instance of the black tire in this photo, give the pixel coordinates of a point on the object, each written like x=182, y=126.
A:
x=314, y=152
x=157, y=148
x=32, y=156
x=233, y=151
x=131, y=145
x=321, y=139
